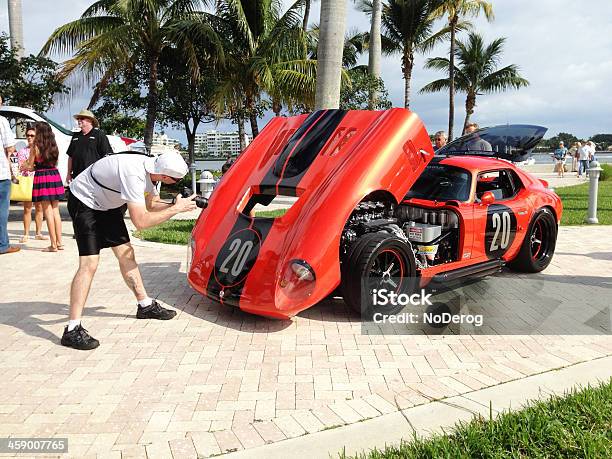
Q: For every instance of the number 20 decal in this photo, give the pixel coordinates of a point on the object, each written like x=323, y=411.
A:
x=500, y=230
x=239, y=251
x=236, y=257
x=501, y=224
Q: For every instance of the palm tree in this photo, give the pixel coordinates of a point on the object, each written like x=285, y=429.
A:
x=112, y=35
x=265, y=52
x=477, y=72
x=455, y=10
x=408, y=30
x=329, y=53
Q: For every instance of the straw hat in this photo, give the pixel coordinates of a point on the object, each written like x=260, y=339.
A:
x=87, y=114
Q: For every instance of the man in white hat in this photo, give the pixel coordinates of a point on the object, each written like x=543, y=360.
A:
x=86, y=146
x=97, y=197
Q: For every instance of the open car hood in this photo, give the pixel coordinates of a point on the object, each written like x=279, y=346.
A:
x=513, y=142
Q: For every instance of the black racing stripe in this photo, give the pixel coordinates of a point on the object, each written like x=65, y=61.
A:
x=297, y=161
x=300, y=152
x=230, y=257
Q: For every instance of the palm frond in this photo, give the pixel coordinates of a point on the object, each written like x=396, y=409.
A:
x=65, y=39
x=440, y=85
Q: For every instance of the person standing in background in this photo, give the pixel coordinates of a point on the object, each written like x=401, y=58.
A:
x=22, y=157
x=48, y=188
x=573, y=151
x=87, y=146
x=584, y=153
x=7, y=145
x=439, y=140
x=560, y=155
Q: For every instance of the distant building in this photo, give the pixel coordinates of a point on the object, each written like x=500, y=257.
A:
x=218, y=144
x=162, y=143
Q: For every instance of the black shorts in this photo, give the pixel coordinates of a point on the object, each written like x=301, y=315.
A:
x=97, y=229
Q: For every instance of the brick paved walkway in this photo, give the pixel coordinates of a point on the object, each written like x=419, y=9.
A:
x=216, y=380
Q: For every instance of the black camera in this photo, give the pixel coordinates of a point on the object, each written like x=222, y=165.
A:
x=200, y=201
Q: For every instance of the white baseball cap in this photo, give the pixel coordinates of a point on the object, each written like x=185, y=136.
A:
x=170, y=164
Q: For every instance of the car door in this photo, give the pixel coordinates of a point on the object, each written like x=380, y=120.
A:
x=500, y=225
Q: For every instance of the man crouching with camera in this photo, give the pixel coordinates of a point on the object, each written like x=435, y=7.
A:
x=97, y=205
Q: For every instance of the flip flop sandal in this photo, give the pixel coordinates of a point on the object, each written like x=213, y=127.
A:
x=50, y=249
x=41, y=237
x=24, y=239
x=60, y=247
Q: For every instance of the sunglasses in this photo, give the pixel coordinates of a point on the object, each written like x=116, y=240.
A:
x=30, y=135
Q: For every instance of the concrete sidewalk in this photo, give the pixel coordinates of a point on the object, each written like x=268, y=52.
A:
x=436, y=416
x=216, y=380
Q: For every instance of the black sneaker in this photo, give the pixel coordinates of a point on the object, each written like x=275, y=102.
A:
x=78, y=338
x=155, y=311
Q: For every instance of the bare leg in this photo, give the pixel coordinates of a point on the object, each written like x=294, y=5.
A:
x=129, y=270
x=38, y=217
x=79, y=290
x=27, y=220
x=48, y=211
x=58, y=223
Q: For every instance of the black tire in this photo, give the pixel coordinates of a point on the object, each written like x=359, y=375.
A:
x=360, y=272
x=539, y=244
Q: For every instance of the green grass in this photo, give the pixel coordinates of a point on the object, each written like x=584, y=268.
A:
x=576, y=202
x=577, y=425
x=178, y=231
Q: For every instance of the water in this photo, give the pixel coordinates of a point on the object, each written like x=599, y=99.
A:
x=545, y=158
x=209, y=165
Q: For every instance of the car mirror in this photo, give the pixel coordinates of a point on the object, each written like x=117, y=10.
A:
x=487, y=198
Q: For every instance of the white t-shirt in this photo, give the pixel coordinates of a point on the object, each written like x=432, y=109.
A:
x=7, y=139
x=584, y=152
x=124, y=173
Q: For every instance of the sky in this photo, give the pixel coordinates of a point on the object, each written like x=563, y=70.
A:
x=563, y=47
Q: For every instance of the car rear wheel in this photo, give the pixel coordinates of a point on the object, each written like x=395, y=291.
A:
x=377, y=261
x=539, y=244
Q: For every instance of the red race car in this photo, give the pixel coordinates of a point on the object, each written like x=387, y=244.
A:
x=373, y=203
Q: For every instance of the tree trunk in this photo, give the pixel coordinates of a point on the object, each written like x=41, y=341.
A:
x=329, y=53
x=276, y=106
x=470, y=103
x=240, y=120
x=407, y=65
x=151, y=100
x=254, y=127
x=451, y=77
x=375, y=52
x=191, y=151
x=306, y=14
x=16, y=27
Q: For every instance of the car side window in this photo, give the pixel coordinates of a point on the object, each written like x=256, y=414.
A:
x=18, y=122
x=500, y=182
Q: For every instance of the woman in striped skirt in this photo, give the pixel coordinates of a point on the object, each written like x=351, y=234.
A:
x=48, y=187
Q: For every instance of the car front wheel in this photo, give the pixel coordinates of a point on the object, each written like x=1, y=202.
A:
x=379, y=261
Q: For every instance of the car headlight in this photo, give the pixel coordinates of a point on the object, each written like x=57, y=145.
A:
x=298, y=279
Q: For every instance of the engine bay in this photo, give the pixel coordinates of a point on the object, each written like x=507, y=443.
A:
x=432, y=233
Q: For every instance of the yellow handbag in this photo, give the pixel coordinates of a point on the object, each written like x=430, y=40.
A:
x=23, y=190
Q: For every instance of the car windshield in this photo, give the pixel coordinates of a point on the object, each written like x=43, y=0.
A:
x=441, y=183
x=57, y=126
